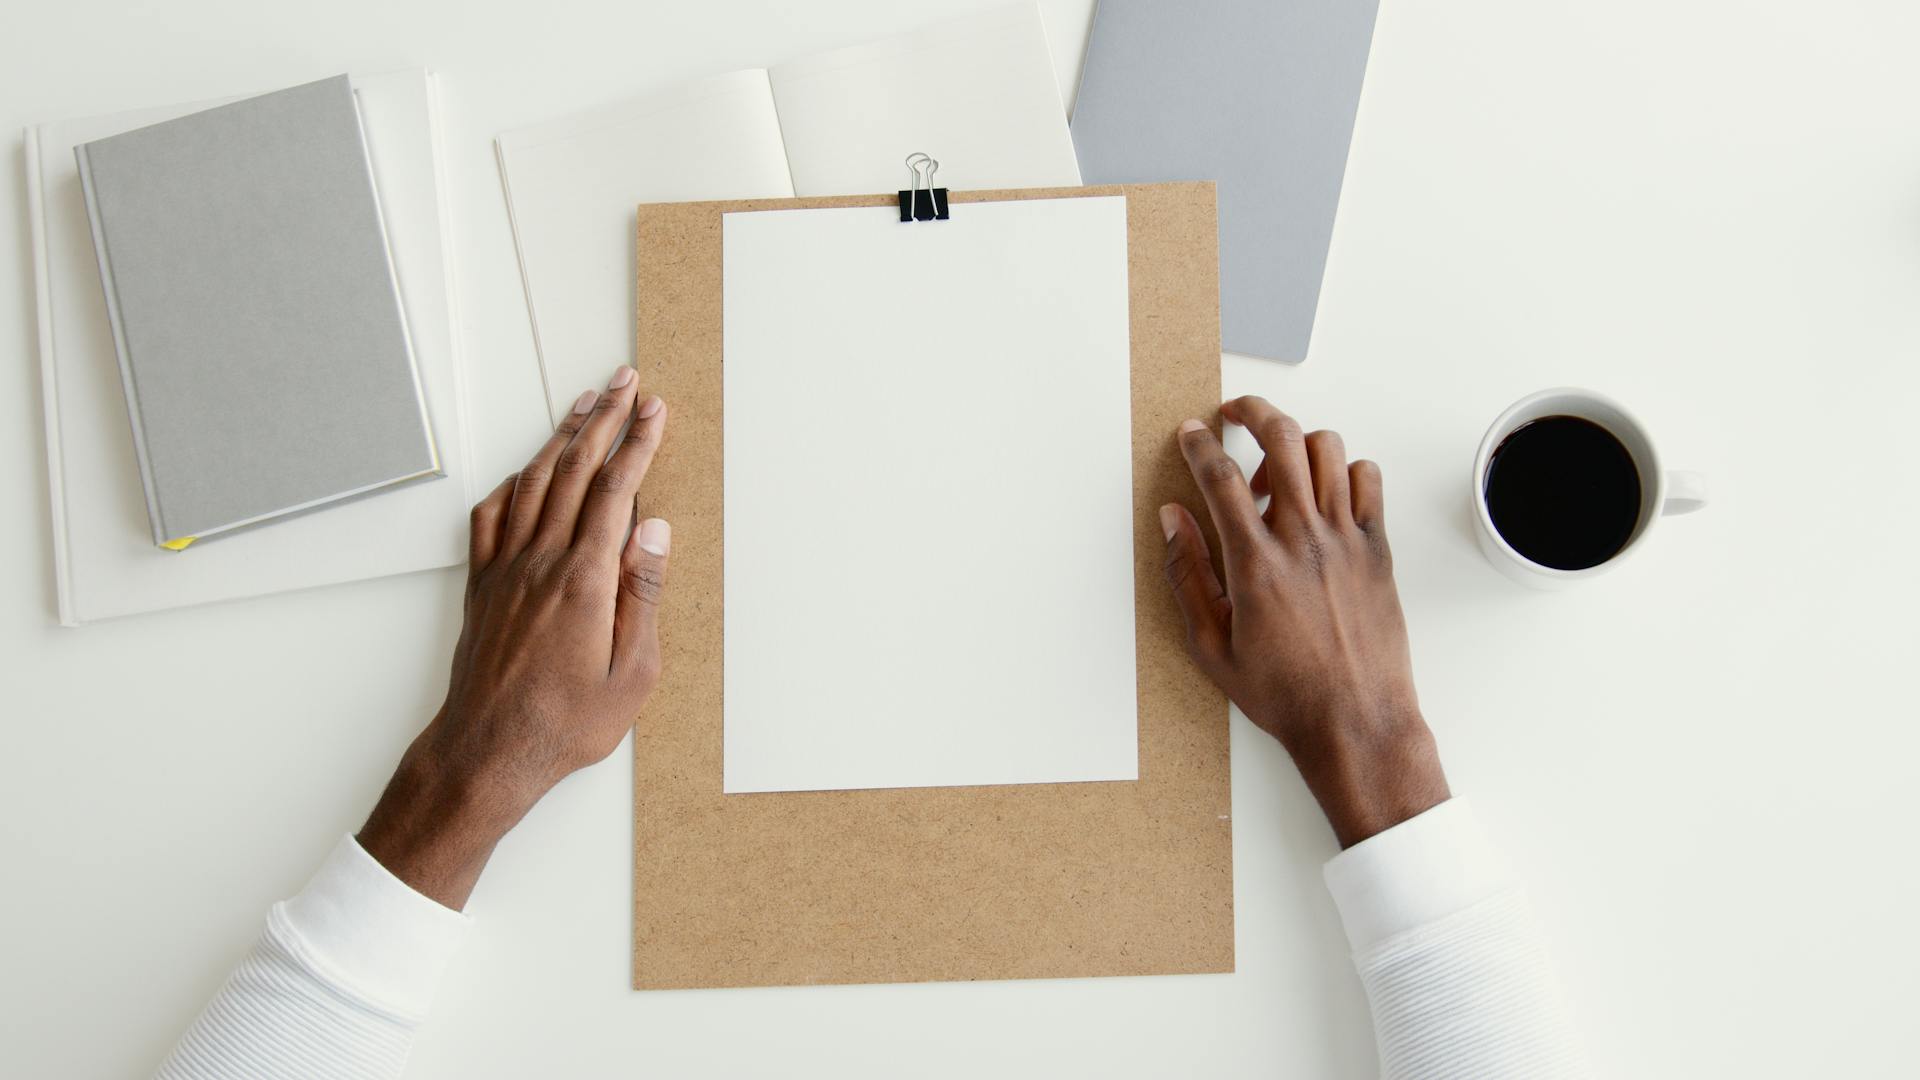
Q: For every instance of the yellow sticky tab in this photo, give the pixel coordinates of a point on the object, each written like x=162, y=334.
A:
x=180, y=544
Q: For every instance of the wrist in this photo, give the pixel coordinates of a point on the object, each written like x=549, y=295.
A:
x=1368, y=778
x=436, y=825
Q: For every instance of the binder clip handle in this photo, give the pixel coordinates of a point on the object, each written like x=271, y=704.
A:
x=923, y=201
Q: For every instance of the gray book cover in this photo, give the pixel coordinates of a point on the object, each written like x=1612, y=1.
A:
x=1258, y=97
x=260, y=332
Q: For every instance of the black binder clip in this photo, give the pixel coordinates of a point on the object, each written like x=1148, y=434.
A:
x=923, y=201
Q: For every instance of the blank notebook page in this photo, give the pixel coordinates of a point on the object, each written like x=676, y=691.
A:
x=571, y=188
x=977, y=92
x=928, y=497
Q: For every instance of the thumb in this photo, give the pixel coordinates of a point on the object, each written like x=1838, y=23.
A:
x=643, y=580
x=1203, y=603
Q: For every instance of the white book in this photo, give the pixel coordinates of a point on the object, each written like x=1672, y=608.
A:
x=978, y=93
x=105, y=563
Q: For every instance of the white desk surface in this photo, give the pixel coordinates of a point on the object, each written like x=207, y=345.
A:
x=1704, y=762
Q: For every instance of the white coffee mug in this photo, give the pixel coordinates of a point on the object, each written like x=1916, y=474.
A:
x=1661, y=492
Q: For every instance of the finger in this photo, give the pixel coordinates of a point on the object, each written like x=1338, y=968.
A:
x=1369, y=495
x=581, y=461
x=530, y=483
x=1228, y=498
x=483, y=526
x=1327, y=457
x=1288, y=475
x=1257, y=483
x=607, y=514
x=636, y=614
x=1196, y=588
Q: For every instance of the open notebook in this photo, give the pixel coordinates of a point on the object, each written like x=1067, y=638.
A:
x=978, y=93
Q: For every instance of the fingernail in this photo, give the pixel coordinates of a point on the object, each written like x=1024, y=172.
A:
x=621, y=377
x=1169, y=520
x=650, y=406
x=585, y=400
x=1189, y=426
x=654, y=536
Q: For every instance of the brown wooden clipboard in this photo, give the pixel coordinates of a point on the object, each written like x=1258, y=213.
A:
x=921, y=884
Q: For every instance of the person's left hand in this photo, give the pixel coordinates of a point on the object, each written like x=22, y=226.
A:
x=558, y=652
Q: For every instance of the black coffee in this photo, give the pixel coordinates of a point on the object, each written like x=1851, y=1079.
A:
x=1564, y=492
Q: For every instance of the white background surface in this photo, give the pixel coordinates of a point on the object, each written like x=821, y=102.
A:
x=1704, y=762
x=1015, y=324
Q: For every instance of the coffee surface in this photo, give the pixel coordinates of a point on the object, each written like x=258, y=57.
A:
x=1564, y=492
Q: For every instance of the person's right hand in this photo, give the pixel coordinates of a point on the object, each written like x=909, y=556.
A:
x=1306, y=636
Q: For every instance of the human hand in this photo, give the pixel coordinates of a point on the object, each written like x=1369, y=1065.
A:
x=557, y=653
x=1307, y=635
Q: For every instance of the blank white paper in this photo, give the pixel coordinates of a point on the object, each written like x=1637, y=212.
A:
x=976, y=92
x=572, y=186
x=928, y=498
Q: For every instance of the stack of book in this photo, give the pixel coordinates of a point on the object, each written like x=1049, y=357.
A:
x=246, y=319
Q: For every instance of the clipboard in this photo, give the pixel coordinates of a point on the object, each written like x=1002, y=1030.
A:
x=928, y=884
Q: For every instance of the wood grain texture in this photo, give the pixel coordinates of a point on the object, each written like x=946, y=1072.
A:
x=911, y=885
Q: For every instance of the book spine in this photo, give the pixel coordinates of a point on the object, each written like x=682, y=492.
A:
x=112, y=296
x=526, y=279
x=462, y=388
x=49, y=381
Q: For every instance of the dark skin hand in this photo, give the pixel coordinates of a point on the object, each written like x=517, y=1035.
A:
x=558, y=652
x=1306, y=634
x=560, y=647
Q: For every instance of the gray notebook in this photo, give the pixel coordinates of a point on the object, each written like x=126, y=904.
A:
x=1256, y=95
x=260, y=333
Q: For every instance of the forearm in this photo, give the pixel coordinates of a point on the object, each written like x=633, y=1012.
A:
x=1369, y=773
x=438, y=820
x=1455, y=969
x=335, y=986
x=558, y=650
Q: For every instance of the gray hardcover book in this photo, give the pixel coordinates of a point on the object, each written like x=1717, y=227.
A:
x=261, y=337
x=1256, y=95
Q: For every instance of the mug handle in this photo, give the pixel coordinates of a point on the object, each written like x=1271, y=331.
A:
x=1686, y=492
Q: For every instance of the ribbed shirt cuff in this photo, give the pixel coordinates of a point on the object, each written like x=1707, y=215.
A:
x=369, y=934
x=1418, y=872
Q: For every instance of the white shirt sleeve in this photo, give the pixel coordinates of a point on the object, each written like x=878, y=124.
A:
x=336, y=985
x=1452, y=961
